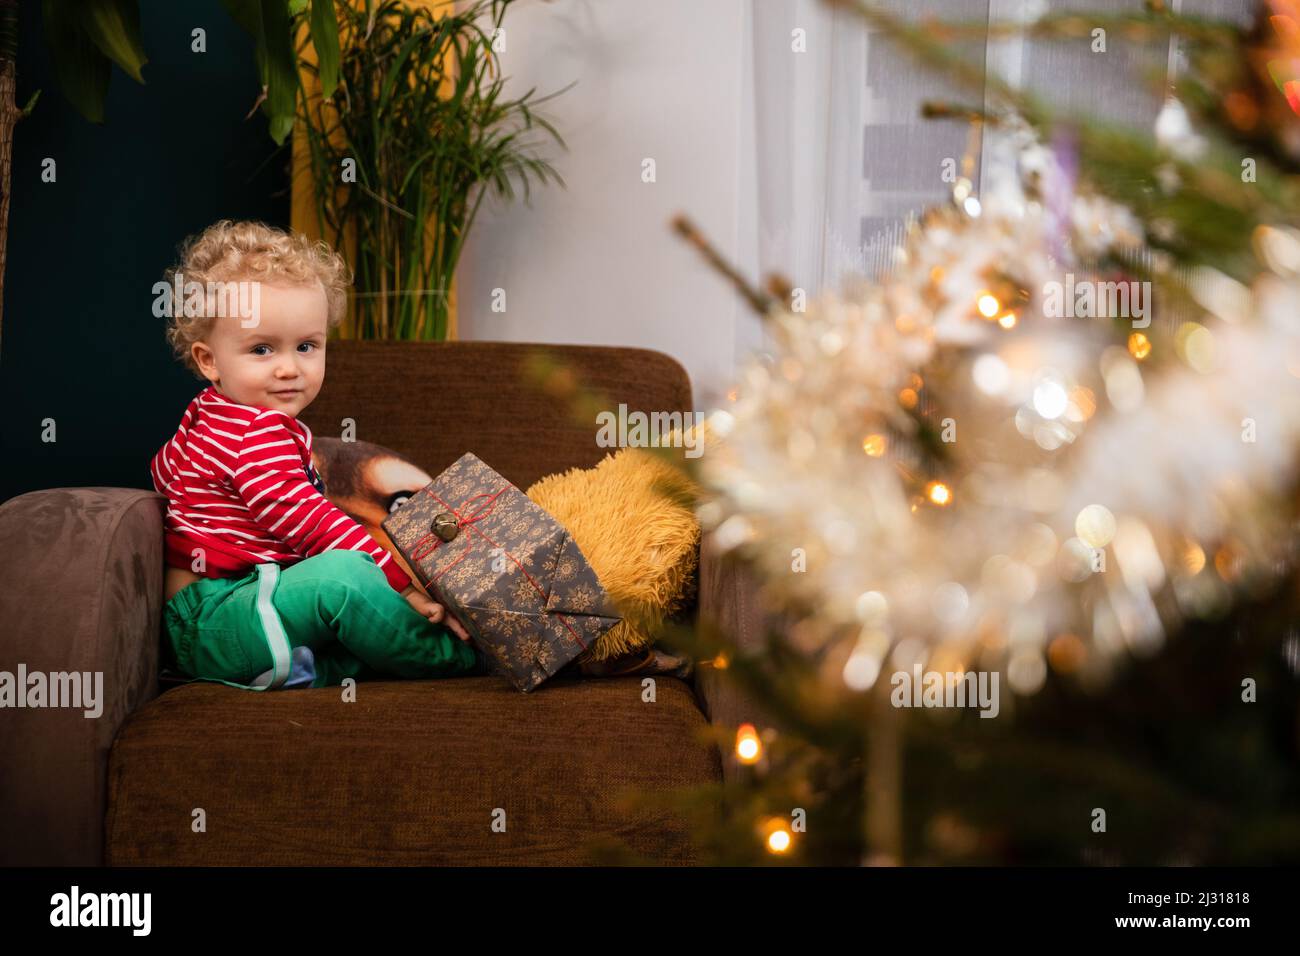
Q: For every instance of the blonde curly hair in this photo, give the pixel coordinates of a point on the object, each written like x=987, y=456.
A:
x=229, y=251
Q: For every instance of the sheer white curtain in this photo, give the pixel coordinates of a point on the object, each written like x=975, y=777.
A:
x=801, y=147
x=809, y=98
x=842, y=153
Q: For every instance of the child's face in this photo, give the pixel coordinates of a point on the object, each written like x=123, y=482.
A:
x=279, y=362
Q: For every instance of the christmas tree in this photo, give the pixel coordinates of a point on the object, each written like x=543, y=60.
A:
x=1024, y=509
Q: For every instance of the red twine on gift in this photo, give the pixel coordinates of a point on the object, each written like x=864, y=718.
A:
x=418, y=555
x=419, y=552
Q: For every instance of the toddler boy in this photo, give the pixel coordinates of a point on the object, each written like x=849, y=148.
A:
x=268, y=583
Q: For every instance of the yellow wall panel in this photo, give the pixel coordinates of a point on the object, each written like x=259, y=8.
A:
x=302, y=214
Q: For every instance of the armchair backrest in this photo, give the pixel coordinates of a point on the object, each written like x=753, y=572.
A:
x=434, y=401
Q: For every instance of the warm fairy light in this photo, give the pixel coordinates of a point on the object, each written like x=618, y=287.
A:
x=907, y=398
x=1193, y=558
x=1085, y=401
x=1139, y=346
x=748, y=747
x=721, y=662
x=988, y=305
x=904, y=323
x=778, y=841
x=939, y=493
x=936, y=274
x=1008, y=321
x=732, y=394
x=1066, y=653
x=874, y=445
x=776, y=834
x=1227, y=563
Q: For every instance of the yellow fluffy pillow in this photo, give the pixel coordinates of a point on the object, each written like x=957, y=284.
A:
x=633, y=516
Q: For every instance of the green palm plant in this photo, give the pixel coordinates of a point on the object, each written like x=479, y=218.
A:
x=416, y=134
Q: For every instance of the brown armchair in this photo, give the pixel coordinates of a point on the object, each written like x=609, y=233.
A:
x=413, y=772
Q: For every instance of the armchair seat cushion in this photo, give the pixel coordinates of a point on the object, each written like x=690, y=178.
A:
x=411, y=773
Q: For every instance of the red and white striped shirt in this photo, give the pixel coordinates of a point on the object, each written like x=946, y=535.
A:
x=240, y=485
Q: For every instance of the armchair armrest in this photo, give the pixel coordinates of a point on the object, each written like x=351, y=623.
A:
x=729, y=597
x=83, y=587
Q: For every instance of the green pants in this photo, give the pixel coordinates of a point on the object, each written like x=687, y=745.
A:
x=339, y=604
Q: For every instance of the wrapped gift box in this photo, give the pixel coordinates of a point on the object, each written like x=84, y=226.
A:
x=504, y=567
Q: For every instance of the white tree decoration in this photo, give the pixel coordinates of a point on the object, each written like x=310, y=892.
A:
x=973, y=479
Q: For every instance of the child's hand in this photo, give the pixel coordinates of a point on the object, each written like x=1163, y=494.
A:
x=434, y=611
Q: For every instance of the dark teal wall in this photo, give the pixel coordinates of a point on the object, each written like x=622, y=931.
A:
x=80, y=342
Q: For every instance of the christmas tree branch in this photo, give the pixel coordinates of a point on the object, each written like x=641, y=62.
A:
x=758, y=300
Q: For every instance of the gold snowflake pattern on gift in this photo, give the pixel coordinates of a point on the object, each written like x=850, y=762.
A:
x=403, y=523
x=534, y=648
x=500, y=651
x=460, y=577
x=502, y=584
x=565, y=570
x=524, y=625
x=524, y=594
x=583, y=598
x=494, y=624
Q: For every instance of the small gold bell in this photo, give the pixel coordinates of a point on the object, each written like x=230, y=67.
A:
x=444, y=525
